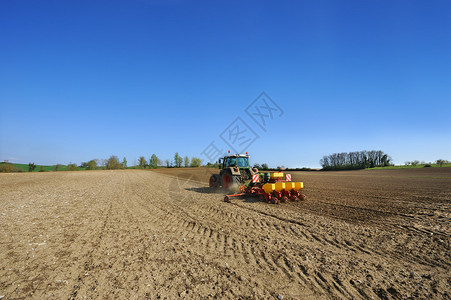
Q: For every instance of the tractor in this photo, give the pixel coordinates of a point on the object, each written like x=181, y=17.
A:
x=237, y=174
x=235, y=171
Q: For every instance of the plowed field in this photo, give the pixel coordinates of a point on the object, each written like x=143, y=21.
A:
x=164, y=234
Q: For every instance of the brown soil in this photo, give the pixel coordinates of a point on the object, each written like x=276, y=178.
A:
x=142, y=234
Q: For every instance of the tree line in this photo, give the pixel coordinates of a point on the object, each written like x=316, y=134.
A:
x=152, y=163
x=112, y=163
x=355, y=160
x=439, y=162
x=180, y=161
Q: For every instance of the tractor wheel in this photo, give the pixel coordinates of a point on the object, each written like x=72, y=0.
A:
x=214, y=181
x=227, y=180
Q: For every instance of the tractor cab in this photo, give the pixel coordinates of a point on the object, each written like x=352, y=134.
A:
x=238, y=160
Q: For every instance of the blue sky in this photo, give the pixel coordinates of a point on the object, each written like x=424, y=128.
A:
x=88, y=79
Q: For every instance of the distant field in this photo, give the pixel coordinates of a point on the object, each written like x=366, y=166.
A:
x=410, y=167
x=24, y=167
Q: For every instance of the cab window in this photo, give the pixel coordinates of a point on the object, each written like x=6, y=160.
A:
x=243, y=162
x=231, y=161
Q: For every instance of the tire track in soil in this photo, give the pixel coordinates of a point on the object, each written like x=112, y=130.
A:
x=412, y=257
x=88, y=263
x=170, y=223
x=225, y=244
x=269, y=262
x=361, y=250
x=139, y=239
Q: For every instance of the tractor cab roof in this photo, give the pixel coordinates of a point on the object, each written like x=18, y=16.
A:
x=237, y=155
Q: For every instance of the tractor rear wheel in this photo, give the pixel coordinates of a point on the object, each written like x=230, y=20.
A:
x=228, y=180
x=214, y=181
